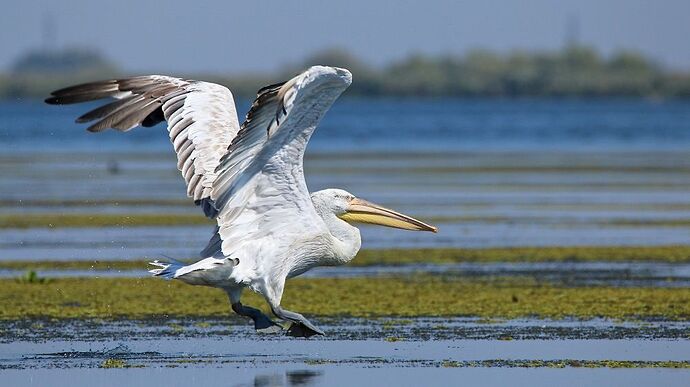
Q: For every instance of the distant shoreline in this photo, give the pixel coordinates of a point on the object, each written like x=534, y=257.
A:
x=572, y=72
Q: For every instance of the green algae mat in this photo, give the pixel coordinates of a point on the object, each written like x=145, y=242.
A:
x=409, y=296
x=99, y=220
x=61, y=220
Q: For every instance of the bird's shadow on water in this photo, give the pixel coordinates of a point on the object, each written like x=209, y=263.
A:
x=289, y=378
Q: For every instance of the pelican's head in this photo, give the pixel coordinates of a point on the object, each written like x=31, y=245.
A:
x=355, y=210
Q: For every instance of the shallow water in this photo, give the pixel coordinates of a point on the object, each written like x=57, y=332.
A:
x=353, y=351
x=636, y=274
x=113, y=243
x=493, y=198
x=489, y=173
x=325, y=375
x=338, y=329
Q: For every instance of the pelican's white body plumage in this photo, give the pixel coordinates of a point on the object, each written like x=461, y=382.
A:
x=248, y=177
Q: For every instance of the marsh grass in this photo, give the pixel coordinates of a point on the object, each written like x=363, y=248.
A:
x=99, y=220
x=31, y=277
x=67, y=220
x=525, y=254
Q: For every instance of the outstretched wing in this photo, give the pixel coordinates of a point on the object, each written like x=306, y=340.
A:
x=201, y=117
x=260, y=188
x=249, y=178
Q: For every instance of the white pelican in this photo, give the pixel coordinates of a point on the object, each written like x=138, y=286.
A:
x=248, y=178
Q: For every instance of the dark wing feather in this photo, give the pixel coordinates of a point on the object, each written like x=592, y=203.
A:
x=201, y=120
x=104, y=110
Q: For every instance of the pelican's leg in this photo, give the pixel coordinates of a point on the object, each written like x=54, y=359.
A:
x=262, y=323
x=301, y=327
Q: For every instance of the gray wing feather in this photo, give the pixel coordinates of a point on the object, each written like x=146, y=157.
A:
x=201, y=120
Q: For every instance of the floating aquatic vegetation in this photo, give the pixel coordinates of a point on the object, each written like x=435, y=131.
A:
x=99, y=220
x=114, y=363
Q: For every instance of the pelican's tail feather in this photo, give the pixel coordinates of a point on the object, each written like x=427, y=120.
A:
x=166, y=270
x=208, y=271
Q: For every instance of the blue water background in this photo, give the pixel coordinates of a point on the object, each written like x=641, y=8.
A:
x=404, y=124
x=489, y=173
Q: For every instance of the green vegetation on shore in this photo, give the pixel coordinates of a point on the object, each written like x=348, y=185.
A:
x=60, y=203
x=413, y=296
x=59, y=220
x=573, y=71
x=568, y=363
x=671, y=254
x=99, y=220
x=525, y=254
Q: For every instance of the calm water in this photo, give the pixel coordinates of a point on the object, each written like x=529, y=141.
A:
x=487, y=172
x=426, y=352
x=390, y=124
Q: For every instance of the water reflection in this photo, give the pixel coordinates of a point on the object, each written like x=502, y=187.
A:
x=289, y=378
x=303, y=377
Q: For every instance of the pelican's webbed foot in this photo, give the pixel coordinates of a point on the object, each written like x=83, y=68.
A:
x=301, y=327
x=298, y=329
x=262, y=323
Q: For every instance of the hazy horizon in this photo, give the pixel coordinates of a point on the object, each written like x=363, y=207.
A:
x=216, y=36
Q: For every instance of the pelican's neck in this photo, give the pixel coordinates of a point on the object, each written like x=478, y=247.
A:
x=346, y=240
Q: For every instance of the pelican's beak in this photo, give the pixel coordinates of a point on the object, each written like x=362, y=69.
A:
x=361, y=211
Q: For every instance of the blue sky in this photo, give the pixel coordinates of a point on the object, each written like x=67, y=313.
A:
x=232, y=36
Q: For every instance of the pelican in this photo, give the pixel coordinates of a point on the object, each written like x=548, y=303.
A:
x=249, y=178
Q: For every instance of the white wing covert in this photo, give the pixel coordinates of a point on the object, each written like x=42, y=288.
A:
x=260, y=189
